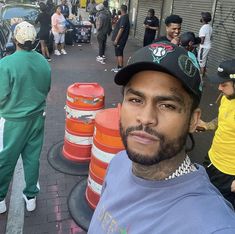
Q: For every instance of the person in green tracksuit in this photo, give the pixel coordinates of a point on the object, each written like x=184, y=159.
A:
x=25, y=80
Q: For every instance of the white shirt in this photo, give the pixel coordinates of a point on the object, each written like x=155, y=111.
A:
x=206, y=31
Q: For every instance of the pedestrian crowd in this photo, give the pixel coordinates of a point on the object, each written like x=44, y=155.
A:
x=199, y=46
x=152, y=186
x=107, y=23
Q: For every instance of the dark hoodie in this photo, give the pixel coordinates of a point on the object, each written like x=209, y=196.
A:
x=103, y=22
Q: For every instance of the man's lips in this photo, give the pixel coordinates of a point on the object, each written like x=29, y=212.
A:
x=143, y=137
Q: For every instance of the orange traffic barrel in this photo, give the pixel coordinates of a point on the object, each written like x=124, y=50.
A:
x=106, y=143
x=84, y=101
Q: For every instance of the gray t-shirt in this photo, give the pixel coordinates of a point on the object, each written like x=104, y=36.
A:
x=188, y=204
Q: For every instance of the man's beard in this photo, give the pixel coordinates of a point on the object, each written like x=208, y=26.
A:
x=167, y=148
x=230, y=97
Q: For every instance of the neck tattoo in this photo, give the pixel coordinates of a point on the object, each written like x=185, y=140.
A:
x=185, y=168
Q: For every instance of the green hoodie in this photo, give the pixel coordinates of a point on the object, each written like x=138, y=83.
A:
x=25, y=79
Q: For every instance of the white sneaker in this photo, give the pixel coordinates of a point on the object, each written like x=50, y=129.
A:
x=30, y=204
x=3, y=207
x=63, y=51
x=57, y=52
x=100, y=57
x=115, y=69
x=102, y=61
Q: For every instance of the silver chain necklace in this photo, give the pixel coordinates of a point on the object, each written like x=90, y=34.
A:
x=185, y=168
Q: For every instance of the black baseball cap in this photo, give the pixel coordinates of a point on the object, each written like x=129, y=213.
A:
x=225, y=72
x=165, y=57
x=186, y=37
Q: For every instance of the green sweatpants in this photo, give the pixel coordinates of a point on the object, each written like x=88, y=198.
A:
x=25, y=138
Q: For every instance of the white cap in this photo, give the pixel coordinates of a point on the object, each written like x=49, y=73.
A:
x=25, y=31
x=99, y=7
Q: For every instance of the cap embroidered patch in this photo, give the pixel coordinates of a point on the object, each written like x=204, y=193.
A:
x=159, y=51
x=232, y=76
x=187, y=65
x=220, y=69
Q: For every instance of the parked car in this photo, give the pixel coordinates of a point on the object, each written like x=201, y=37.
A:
x=25, y=12
x=6, y=44
x=20, y=1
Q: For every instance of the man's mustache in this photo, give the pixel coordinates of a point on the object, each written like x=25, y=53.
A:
x=146, y=129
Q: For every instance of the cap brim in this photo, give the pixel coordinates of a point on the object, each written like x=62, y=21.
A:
x=215, y=79
x=125, y=74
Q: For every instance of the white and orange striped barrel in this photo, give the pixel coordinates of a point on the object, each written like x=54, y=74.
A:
x=106, y=143
x=84, y=101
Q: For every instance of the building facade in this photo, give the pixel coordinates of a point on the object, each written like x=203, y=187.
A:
x=223, y=22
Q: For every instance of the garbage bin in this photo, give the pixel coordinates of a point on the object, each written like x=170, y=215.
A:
x=81, y=31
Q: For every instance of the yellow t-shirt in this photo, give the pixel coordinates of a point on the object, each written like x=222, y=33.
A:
x=222, y=151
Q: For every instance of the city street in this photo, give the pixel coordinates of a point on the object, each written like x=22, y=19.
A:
x=79, y=65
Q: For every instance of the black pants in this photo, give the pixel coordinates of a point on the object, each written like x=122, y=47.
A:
x=148, y=39
x=220, y=180
x=102, y=38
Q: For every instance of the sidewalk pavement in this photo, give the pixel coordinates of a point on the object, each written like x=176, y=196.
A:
x=52, y=215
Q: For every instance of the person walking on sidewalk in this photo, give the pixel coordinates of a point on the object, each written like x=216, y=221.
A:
x=76, y=7
x=152, y=186
x=106, y=7
x=120, y=36
x=25, y=81
x=205, y=34
x=104, y=27
x=58, y=24
x=64, y=9
x=50, y=7
x=44, y=18
x=91, y=8
x=115, y=17
x=151, y=24
x=220, y=161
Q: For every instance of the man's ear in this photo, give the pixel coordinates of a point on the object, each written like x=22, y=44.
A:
x=196, y=115
x=14, y=40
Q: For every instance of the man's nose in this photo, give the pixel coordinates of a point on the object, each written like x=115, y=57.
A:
x=177, y=31
x=220, y=87
x=147, y=116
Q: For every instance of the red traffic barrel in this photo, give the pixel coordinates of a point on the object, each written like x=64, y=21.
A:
x=84, y=101
x=106, y=143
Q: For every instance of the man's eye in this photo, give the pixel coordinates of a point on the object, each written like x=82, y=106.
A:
x=167, y=107
x=134, y=100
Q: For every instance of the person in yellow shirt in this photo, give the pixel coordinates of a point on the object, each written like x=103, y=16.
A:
x=220, y=162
